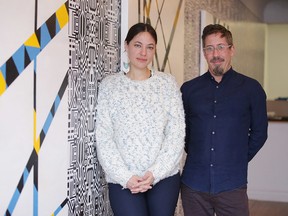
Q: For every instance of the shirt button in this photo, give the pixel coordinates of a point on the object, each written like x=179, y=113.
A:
x=217, y=87
x=214, y=116
x=212, y=149
x=213, y=132
x=211, y=165
x=215, y=101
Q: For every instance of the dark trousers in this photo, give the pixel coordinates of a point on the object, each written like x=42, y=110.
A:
x=161, y=200
x=228, y=203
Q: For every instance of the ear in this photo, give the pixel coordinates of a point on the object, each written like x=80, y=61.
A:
x=232, y=50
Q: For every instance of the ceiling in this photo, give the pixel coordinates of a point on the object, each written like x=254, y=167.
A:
x=269, y=11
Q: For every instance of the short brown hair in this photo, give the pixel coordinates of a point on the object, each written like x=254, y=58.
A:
x=217, y=28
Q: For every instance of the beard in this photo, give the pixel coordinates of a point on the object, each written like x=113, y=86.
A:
x=218, y=71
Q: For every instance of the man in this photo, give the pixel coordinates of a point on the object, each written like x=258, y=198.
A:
x=226, y=125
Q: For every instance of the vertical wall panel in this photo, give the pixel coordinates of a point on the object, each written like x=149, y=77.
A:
x=94, y=53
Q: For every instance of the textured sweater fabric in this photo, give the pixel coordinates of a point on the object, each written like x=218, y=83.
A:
x=140, y=127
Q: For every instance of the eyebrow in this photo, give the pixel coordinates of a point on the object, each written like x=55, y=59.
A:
x=151, y=44
x=216, y=44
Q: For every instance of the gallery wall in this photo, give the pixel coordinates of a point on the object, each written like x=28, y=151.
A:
x=276, y=76
x=53, y=55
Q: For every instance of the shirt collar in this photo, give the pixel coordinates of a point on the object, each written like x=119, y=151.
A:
x=226, y=75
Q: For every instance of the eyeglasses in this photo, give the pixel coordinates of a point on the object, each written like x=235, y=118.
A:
x=219, y=48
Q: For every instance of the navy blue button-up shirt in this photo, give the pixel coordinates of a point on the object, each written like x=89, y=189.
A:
x=226, y=125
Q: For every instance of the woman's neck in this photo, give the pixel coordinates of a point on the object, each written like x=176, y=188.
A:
x=139, y=74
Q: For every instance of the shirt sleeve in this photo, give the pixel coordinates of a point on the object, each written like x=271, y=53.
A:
x=107, y=153
x=259, y=121
x=173, y=144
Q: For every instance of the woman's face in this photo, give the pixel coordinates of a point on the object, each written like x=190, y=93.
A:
x=141, y=50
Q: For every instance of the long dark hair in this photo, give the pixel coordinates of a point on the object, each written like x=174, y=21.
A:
x=140, y=27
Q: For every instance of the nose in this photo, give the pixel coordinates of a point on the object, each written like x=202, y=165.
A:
x=143, y=51
x=215, y=52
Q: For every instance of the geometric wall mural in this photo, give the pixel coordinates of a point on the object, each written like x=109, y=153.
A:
x=53, y=56
x=94, y=52
x=16, y=68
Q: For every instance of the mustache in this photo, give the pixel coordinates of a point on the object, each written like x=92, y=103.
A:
x=216, y=59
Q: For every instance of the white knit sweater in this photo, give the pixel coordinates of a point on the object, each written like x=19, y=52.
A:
x=139, y=127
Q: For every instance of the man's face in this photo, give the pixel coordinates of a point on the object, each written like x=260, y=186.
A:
x=218, y=54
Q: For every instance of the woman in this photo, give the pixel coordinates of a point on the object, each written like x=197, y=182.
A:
x=140, y=132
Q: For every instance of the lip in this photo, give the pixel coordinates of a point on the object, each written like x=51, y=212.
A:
x=142, y=59
x=217, y=61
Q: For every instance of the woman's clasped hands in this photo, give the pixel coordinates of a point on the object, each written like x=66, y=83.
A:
x=137, y=184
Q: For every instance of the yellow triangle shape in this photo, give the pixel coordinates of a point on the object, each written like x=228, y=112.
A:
x=2, y=83
x=62, y=16
x=36, y=140
x=37, y=145
x=32, y=41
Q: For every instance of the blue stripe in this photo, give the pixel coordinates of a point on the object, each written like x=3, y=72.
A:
x=47, y=123
x=45, y=36
x=57, y=210
x=18, y=58
x=32, y=52
x=3, y=69
x=57, y=26
x=25, y=175
x=57, y=102
x=13, y=201
x=35, y=202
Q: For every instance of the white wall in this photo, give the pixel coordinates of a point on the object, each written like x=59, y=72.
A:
x=268, y=176
x=276, y=71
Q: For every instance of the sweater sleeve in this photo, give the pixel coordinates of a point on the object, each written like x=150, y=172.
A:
x=173, y=144
x=107, y=151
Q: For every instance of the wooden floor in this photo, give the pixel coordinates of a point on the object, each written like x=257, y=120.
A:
x=266, y=208
x=257, y=208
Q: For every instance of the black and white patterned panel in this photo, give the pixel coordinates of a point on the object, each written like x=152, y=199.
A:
x=94, y=39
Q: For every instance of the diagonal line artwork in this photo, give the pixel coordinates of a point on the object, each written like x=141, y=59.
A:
x=11, y=70
x=146, y=15
x=60, y=207
x=30, y=49
x=33, y=159
x=34, y=155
